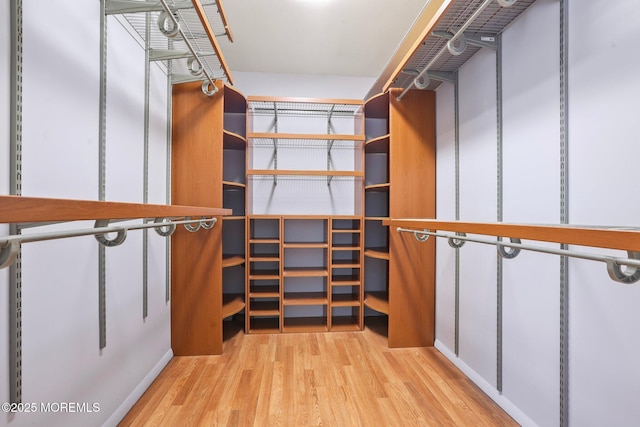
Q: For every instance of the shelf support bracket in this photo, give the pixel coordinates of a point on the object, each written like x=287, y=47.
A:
x=478, y=40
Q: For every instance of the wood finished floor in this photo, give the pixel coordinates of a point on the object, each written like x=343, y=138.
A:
x=324, y=379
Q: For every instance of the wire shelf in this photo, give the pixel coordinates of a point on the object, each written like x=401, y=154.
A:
x=175, y=50
x=268, y=143
x=491, y=22
x=304, y=108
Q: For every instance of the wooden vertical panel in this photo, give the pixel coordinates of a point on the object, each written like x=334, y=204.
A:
x=196, y=306
x=411, y=195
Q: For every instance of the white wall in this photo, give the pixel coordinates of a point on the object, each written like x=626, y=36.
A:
x=302, y=85
x=603, y=146
x=61, y=359
x=603, y=315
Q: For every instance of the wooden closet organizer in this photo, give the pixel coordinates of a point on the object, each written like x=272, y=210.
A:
x=302, y=272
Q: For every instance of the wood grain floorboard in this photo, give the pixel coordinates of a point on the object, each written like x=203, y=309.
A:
x=324, y=379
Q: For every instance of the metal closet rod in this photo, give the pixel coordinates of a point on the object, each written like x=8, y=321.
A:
x=512, y=249
x=10, y=245
x=459, y=34
x=196, y=57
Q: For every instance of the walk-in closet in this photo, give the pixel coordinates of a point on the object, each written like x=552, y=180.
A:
x=319, y=213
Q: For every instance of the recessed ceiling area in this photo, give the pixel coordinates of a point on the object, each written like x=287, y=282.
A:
x=328, y=37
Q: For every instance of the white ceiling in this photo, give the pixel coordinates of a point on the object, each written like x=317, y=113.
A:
x=331, y=37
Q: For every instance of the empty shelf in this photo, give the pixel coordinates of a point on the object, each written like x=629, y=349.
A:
x=232, y=260
x=305, y=298
x=378, y=301
x=232, y=304
x=305, y=272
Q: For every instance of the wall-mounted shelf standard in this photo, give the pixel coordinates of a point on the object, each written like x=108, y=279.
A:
x=182, y=33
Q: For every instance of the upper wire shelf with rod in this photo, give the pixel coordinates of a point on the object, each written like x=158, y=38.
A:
x=465, y=27
x=182, y=33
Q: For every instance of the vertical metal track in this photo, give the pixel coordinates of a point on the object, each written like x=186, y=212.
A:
x=15, y=183
x=456, y=102
x=499, y=210
x=167, y=295
x=102, y=151
x=564, y=211
x=145, y=169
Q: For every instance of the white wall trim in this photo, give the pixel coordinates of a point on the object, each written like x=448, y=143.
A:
x=135, y=395
x=487, y=388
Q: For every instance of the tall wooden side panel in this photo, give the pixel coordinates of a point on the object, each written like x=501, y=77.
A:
x=411, y=195
x=196, y=258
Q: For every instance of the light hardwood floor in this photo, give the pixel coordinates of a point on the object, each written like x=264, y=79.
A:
x=315, y=379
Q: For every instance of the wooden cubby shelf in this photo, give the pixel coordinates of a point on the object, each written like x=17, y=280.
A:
x=232, y=260
x=264, y=308
x=305, y=298
x=338, y=280
x=378, y=301
x=377, y=145
x=345, y=324
x=265, y=291
x=310, y=245
x=345, y=300
x=264, y=275
x=305, y=272
x=232, y=304
x=379, y=253
x=264, y=325
x=305, y=324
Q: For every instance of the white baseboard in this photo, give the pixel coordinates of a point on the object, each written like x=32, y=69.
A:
x=486, y=387
x=133, y=397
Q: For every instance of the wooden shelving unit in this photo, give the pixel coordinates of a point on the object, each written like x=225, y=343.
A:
x=400, y=182
x=209, y=169
x=346, y=291
x=264, y=275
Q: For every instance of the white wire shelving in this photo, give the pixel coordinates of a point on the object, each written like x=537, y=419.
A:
x=181, y=34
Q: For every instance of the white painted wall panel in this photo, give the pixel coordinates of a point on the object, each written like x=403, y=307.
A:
x=604, y=93
x=302, y=85
x=61, y=357
x=478, y=160
x=61, y=88
x=445, y=209
x=125, y=116
x=531, y=191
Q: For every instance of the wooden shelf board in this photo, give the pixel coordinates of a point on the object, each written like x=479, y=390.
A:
x=258, y=294
x=20, y=209
x=346, y=231
x=305, y=298
x=345, y=300
x=610, y=237
x=378, y=187
x=379, y=253
x=233, y=141
x=264, y=275
x=232, y=260
x=378, y=301
x=264, y=325
x=305, y=272
x=285, y=172
x=268, y=258
x=233, y=218
x=346, y=327
x=264, y=241
x=345, y=281
x=345, y=324
x=351, y=263
x=310, y=245
x=264, y=308
x=305, y=324
x=232, y=304
x=234, y=185
x=328, y=137
x=345, y=247
x=376, y=218
x=377, y=145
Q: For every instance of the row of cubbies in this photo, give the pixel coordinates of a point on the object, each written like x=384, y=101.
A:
x=304, y=274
